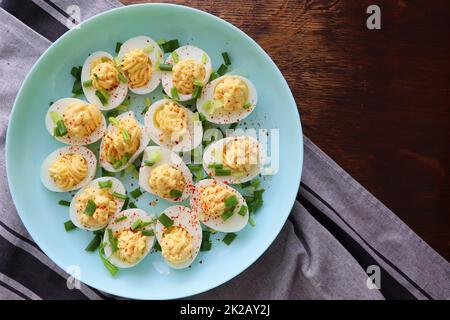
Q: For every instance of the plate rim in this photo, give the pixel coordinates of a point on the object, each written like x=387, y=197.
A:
x=13, y=114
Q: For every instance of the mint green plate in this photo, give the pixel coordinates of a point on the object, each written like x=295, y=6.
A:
x=28, y=143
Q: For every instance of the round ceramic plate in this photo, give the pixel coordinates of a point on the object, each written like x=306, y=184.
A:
x=28, y=143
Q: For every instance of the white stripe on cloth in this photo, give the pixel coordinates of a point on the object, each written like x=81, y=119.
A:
x=19, y=287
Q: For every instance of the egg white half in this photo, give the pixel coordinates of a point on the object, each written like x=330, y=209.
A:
x=155, y=56
x=167, y=157
x=144, y=142
x=233, y=224
x=185, y=218
x=132, y=215
x=221, y=116
x=185, y=52
x=189, y=141
x=117, y=186
x=117, y=95
x=91, y=160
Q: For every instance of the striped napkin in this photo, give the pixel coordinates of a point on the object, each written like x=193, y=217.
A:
x=338, y=243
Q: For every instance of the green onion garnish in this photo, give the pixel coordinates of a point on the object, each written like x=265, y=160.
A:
x=205, y=235
x=136, y=224
x=197, y=92
x=213, y=76
x=255, y=183
x=103, y=96
x=55, y=117
x=95, y=242
x=76, y=72
x=118, y=45
x=251, y=221
x=148, y=163
x=148, y=102
x=198, y=83
x=76, y=89
x=226, y=58
x=116, y=61
x=223, y=172
x=194, y=167
x=122, y=78
x=136, y=193
x=157, y=64
x=157, y=246
x=148, y=233
x=125, y=203
x=207, y=105
x=233, y=126
x=114, y=121
x=121, y=219
x=132, y=205
x=175, y=57
x=204, y=58
x=202, y=117
x=165, y=67
x=215, y=166
x=108, y=265
x=161, y=41
x=206, y=245
x=175, y=193
x=119, y=195
x=228, y=239
x=174, y=93
x=148, y=49
x=222, y=69
x=64, y=203
x=165, y=220
x=87, y=83
x=247, y=105
x=68, y=225
x=61, y=129
x=112, y=240
x=116, y=165
x=243, y=210
x=107, y=173
x=125, y=135
x=227, y=213
x=170, y=45
x=90, y=208
x=105, y=184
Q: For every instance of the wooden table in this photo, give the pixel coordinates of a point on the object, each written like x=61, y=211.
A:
x=376, y=101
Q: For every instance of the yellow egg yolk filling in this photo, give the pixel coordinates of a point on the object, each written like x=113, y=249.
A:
x=171, y=119
x=176, y=245
x=105, y=207
x=138, y=67
x=241, y=155
x=122, y=141
x=233, y=92
x=212, y=200
x=131, y=246
x=68, y=170
x=104, y=74
x=81, y=119
x=165, y=178
x=184, y=73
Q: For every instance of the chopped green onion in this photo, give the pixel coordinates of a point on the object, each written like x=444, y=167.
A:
x=198, y=83
x=148, y=49
x=202, y=117
x=100, y=232
x=87, y=83
x=157, y=246
x=148, y=102
x=136, y=224
x=103, y=96
x=227, y=213
x=148, y=233
x=116, y=165
x=215, y=166
x=95, y=242
x=119, y=195
x=148, y=163
x=121, y=218
x=175, y=57
x=213, y=76
x=124, y=159
x=118, y=45
x=76, y=72
x=233, y=126
x=61, y=129
x=251, y=221
x=76, y=88
x=170, y=45
x=204, y=58
x=105, y=184
x=107, y=173
x=174, y=93
x=205, y=235
x=207, y=105
x=114, y=121
x=206, y=245
x=125, y=203
x=136, y=193
x=132, y=205
x=144, y=111
x=165, y=220
x=157, y=64
x=165, y=67
x=194, y=167
x=247, y=105
x=108, y=265
x=125, y=135
x=223, y=172
x=175, y=193
x=222, y=70
x=90, y=208
x=243, y=210
x=226, y=58
x=161, y=41
x=64, y=203
x=116, y=61
x=122, y=78
x=228, y=239
x=197, y=92
x=68, y=225
x=55, y=117
x=255, y=183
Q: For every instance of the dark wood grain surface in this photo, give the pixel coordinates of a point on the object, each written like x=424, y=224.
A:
x=376, y=101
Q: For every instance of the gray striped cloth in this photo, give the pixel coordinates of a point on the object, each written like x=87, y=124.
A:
x=336, y=236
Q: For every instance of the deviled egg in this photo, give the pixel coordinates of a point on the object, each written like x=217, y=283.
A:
x=163, y=173
x=124, y=140
x=93, y=205
x=68, y=168
x=189, y=64
x=234, y=159
x=140, y=58
x=173, y=126
x=129, y=237
x=227, y=99
x=180, y=235
x=75, y=122
x=219, y=206
x=102, y=81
